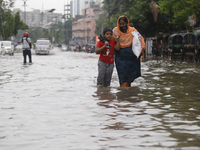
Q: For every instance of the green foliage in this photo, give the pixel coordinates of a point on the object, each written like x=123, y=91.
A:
x=141, y=18
x=61, y=32
x=180, y=10
x=8, y=26
x=17, y=23
x=173, y=15
x=137, y=11
x=68, y=31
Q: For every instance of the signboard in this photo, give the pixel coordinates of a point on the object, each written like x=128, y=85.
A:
x=192, y=20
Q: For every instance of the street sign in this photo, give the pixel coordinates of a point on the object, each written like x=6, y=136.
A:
x=192, y=20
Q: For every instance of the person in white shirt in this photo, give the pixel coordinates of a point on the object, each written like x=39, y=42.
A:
x=26, y=46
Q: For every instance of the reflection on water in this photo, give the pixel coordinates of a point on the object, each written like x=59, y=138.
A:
x=130, y=94
x=55, y=104
x=175, y=89
x=126, y=102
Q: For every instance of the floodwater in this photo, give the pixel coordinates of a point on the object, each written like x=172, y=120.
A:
x=54, y=104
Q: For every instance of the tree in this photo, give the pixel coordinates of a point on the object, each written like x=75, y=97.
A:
x=23, y=26
x=171, y=16
x=141, y=18
x=17, y=23
x=137, y=11
x=68, y=30
x=8, y=25
x=38, y=32
x=7, y=20
x=180, y=10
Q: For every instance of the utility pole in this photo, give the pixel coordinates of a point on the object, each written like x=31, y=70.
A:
x=66, y=17
x=109, y=14
x=85, y=30
x=24, y=10
x=42, y=14
x=51, y=11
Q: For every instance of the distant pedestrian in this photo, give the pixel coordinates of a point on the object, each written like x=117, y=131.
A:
x=127, y=64
x=105, y=47
x=79, y=47
x=26, y=46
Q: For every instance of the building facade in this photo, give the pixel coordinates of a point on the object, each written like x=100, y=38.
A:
x=37, y=18
x=71, y=9
x=76, y=6
x=84, y=26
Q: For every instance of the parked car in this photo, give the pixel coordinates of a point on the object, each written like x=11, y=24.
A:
x=8, y=46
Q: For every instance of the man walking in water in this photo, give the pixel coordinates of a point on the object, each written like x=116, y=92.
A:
x=26, y=46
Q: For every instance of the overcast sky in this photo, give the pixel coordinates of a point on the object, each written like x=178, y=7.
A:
x=37, y=4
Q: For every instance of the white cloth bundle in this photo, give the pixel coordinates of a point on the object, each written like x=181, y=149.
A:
x=136, y=44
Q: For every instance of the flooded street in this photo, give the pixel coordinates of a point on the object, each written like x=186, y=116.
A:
x=54, y=104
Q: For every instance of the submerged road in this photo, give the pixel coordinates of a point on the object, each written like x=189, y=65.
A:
x=54, y=104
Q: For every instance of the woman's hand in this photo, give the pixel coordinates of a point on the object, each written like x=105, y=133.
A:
x=117, y=46
x=117, y=40
x=142, y=56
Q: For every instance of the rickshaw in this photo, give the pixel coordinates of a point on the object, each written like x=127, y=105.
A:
x=198, y=40
x=197, y=51
x=175, y=45
x=189, y=42
x=165, y=45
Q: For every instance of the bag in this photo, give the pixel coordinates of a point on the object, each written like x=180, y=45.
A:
x=27, y=42
x=102, y=38
x=136, y=44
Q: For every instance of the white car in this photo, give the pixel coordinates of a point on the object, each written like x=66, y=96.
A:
x=43, y=46
x=64, y=47
x=8, y=46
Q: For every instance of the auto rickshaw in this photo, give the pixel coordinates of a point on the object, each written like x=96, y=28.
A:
x=165, y=45
x=189, y=42
x=175, y=45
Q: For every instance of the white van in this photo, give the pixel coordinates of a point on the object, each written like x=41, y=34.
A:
x=8, y=46
x=43, y=46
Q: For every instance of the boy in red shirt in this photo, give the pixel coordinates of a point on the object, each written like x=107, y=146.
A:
x=105, y=47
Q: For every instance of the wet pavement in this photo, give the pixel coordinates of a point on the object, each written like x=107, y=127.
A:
x=54, y=104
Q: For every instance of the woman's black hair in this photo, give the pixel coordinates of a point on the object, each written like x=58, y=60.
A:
x=124, y=19
x=106, y=29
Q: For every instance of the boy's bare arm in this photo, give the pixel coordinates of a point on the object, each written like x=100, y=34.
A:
x=117, y=46
x=100, y=49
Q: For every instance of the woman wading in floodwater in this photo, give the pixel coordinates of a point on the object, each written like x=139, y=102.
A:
x=127, y=64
